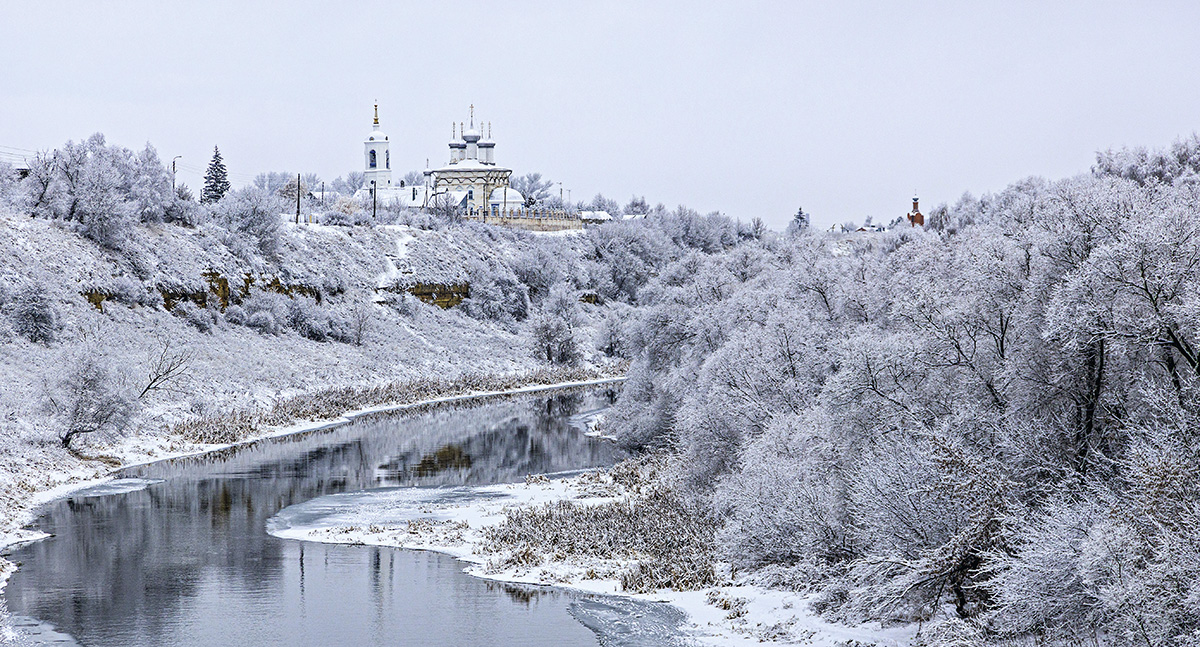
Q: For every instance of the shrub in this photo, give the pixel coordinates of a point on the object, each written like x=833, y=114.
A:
x=236, y=315
x=89, y=399
x=669, y=540
x=496, y=295
x=201, y=319
x=33, y=315
x=553, y=329
x=309, y=319
x=264, y=322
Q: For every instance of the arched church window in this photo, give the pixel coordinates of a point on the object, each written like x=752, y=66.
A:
x=387, y=159
x=371, y=157
x=471, y=194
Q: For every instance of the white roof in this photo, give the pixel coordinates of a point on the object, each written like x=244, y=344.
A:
x=377, y=136
x=595, y=215
x=506, y=195
x=469, y=165
x=404, y=196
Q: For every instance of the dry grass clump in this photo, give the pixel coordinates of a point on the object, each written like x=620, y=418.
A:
x=240, y=424
x=670, y=540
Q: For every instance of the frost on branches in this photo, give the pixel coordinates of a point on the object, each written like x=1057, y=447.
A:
x=990, y=423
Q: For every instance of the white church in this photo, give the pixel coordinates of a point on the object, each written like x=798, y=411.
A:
x=470, y=181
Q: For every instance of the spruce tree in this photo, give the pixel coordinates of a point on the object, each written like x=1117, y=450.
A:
x=216, y=180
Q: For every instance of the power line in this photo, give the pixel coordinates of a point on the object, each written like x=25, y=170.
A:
x=18, y=149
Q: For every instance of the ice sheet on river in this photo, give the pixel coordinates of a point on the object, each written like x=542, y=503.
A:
x=384, y=506
x=616, y=621
x=116, y=486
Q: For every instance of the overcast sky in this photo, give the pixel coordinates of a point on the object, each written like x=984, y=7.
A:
x=750, y=109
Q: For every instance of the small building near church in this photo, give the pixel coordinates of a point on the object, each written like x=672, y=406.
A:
x=914, y=217
x=595, y=217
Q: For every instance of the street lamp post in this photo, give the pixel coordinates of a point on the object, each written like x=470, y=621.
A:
x=173, y=172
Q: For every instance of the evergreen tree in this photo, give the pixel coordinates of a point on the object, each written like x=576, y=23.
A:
x=799, y=223
x=216, y=180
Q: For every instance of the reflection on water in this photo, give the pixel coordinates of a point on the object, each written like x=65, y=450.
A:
x=183, y=559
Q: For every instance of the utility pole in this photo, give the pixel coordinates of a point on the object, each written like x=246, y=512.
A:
x=322, y=193
x=297, y=198
x=173, y=172
x=374, y=199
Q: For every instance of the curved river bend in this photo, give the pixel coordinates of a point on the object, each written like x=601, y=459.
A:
x=179, y=555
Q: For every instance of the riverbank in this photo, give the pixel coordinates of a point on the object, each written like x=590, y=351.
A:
x=54, y=472
x=469, y=523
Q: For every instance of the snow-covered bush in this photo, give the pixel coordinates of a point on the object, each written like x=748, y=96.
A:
x=267, y=312
x=201, y=319
x=254, y=215
x=89, y=398
x=353, y=324
x=786, y=505
x=264, y=322
x=33, y=314
x=610, y=332
x=554, y=327
x=236, y=315
x=129, y=291
x=310, y=320
x=539, y=267
x=335, y=218
x=496, y=295
x=667, y=540
x=9, y=184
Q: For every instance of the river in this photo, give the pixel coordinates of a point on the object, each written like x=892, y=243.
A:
x=176, y=552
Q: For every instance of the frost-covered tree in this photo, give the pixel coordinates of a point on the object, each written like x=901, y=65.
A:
x=531, y=185
x=992, y=416
x=799, y=223
x=89, y=398
x=555, y=326
x=150, y=190
x=8, y=183
x=274, y=181
x=33, y=314
x=636, y=205
x=347, y=185
x=1180, y=161
x=496, y=295
x=601, y=203
x=445, y=208
x=98, y=196
x=288, y=191
x=413, y=178
x=253, y=216
x=216, y=179
x=37, y=188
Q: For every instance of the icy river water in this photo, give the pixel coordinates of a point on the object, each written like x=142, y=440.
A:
x=177, y=552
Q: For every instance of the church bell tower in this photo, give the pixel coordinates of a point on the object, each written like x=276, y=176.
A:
x=377, y=160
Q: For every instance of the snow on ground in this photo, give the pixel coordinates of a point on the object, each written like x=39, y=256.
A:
x=454, y=521
x=230, y=366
